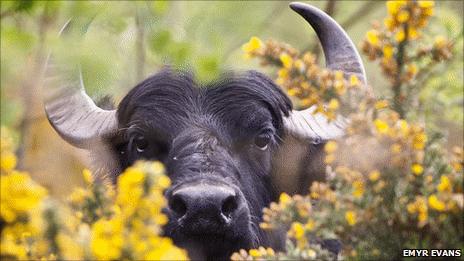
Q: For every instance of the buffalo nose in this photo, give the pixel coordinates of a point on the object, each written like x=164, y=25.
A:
x=209, y=203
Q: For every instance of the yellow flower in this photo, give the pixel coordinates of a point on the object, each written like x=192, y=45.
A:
x=157, y=167
x=19, y=194
x=265, y=225
x=70, y=249
x=283, y=73
x=164, y=182
x=163, y=249
x=374, y=175
x=333, y=104
x=330, y=146
x=412, y=69
x=404, y=127
x=445, y=184
x=427, y=11
x=439, y=42
x=421, y=205
x=285, y=199
x=329, y=158
x=350, y=217
x=412, y=33
x=423, y=216
x=411, y=207
x=297, y=230
x=11, y=247
x=270, y=251
x=402, y=16
x=394, y=7
x=8, y=161
x=381, y=104
x=381, y=126
x=372, y=37
x=286, y=60
x=299, y=65
x=436, y=204
x=87, y=176
x=309, y=225
x=78, y=196
x=253, y=45
x=255, y=253
x=107, y=239
x=426, y=4
x=358, y=187
x=354, y=80
x=293, y=92
x=400, y=36
x=417, y=169
x=419, y=141
x=389, y=23
x=388, y=51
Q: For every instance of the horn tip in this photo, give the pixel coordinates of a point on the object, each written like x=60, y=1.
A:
x=300, y=7
x=296, y=6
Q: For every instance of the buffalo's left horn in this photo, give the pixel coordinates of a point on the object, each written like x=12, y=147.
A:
x=71, y=112
x=340, y=54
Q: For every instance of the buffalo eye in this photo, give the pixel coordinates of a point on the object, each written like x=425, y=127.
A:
x=140, y=144
x=262, y=141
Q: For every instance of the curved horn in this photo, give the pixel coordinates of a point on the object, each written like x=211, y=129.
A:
x=340, y=54
x=69, y=109
x=339, y=51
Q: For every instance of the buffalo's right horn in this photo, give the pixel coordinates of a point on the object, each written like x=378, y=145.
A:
x=340, y=54
x=71, y=112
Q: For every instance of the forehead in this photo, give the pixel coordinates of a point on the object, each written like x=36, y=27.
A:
x=172, y=102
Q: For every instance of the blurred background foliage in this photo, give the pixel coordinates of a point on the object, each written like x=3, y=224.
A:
x=128, y=41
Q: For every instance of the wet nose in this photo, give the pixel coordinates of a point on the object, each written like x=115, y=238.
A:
x=205, y=204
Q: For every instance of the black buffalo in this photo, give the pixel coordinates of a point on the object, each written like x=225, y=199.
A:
x=224, y=144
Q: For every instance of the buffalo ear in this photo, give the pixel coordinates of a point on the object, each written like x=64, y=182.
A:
x=297, y=163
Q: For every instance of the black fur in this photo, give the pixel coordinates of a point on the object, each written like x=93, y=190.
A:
x=207, y=134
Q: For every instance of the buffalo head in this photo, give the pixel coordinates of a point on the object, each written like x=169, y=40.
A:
x=218, y=142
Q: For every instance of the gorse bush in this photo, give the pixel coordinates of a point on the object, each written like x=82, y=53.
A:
x=390, y=185
x=95, y=223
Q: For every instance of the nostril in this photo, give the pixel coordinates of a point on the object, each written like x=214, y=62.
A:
x=177, y=204
x=229, y=205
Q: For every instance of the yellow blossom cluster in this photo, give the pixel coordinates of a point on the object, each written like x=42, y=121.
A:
x=133, y=231
x=406, y=17
x=295, y=214
x=404, y=59
x=405, y=22
x=96, y=223
x=8, y=158
x=292, y=208
x=303, y=79
x=390, y=146
x=389, y=183
x=260, y=253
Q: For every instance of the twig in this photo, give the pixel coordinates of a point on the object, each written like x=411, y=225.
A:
x=29, y=87
x=397, y=91
x=139, y=46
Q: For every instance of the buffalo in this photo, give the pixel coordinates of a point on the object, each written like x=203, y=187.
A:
x=224, y=144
